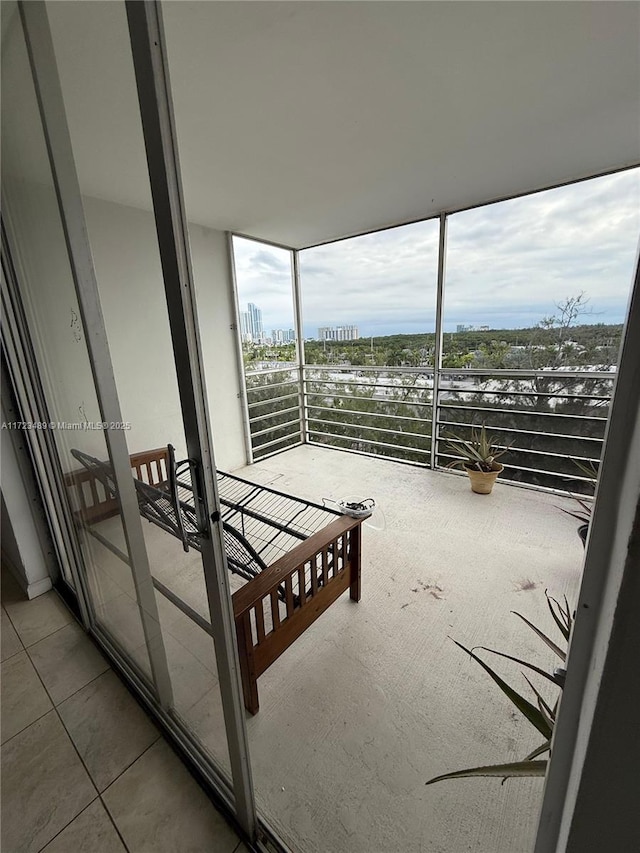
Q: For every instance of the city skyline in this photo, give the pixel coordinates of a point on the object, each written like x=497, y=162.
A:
x=508, y=265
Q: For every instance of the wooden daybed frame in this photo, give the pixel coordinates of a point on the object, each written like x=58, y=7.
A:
x=281, y=599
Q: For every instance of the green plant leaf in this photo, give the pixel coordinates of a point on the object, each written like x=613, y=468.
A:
x=517, y=768
x=563, y=626
x=544, y=708
x=590, y=470
x=533, y=714
x=583, y=517
x=531, y=666
x=545, y=747
x=542, y=636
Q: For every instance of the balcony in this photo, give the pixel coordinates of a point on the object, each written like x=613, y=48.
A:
x=375, y=698
x=548, y=419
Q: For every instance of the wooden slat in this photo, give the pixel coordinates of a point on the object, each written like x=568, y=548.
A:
x=314, y=575
x=334, y=549
x=94, y=493
x=288, y=592
x=325, y=567
x=275, y=610
x=247, y=663
x=355, y=543
x=247, y=596
x=279, y=641
x=302, y=593
x=259, y=611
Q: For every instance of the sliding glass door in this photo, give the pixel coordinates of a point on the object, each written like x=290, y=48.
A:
x=102, y=284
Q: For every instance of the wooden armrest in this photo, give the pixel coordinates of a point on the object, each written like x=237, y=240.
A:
x=249, y=595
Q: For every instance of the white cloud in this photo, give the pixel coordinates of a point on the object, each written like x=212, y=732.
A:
x=508, y=264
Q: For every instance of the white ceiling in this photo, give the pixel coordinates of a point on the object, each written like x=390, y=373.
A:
x=300, y=122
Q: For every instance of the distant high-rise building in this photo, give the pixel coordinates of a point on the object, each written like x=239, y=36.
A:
x=338, y=333
x=283, y=336
x=462, y=328
x=251, y=329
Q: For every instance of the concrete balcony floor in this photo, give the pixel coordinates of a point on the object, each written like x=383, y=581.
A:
x=375, y=698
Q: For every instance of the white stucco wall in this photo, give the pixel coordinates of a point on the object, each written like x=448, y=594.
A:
x=126, y=257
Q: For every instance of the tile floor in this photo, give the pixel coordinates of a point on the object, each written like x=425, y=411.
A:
x=84, y=769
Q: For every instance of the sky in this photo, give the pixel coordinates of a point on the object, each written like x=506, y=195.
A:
x=508, y=265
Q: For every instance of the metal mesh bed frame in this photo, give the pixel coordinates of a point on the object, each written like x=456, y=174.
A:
x=296, y=556
x=260, y=524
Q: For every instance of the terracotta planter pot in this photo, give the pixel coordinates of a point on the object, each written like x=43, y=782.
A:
x=482, y=481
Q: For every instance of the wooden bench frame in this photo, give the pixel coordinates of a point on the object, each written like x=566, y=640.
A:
x=322, y=567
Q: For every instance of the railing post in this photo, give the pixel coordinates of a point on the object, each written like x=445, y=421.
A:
x=244, y=402
x=437, y=356
x=297, y=304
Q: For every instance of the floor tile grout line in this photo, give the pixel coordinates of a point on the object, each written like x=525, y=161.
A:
x=9, y=739
x=73, y=744
x=75, y=692
x=130, y=765
x=55, y=708
x=6, y=660
x=114, y=824
x=12, y=624
x=42, y=639
x=60, y=831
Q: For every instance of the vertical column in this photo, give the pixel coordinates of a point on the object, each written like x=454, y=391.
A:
x=244, y=400
x=437, y=358
x=297, y=304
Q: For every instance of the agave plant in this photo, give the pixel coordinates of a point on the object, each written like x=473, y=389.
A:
x=480, y=452
x=583, y=515
x=540, y=714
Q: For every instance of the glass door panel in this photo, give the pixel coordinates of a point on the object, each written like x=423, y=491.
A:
x=93, y=54
x=59, y=341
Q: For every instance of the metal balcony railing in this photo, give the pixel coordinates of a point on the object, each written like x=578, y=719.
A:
x=274, y=407
x=386, y=411
x=547, y=418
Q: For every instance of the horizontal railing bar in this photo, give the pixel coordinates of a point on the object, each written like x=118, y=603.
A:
x=368, y=414
x=510, y=393
x=387, y=402
x=529, y=412
x=368, y=384
x=517, y=484
x=363, y=426
x=370, y=441
x=367, y=368
x=529, y=374
x=259, y=447
x=513, y=449
x=551, y=473
x=274, y=414
x=276, y=452
x=530, y=470
x=269, y=370
x=524, y=431
x=412, y=462
x=275, y=427
x=274, y=385
x=273, y=399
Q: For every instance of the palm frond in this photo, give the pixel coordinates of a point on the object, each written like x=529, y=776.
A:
x=516, y=768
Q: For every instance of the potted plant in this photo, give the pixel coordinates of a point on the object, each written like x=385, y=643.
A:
x=480, y=454
x=583, y=515
x=541, y=714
